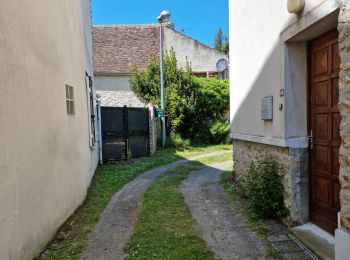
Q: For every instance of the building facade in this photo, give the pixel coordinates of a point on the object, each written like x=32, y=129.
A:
x=117, y=47
x=289, y=72
x=47, y=143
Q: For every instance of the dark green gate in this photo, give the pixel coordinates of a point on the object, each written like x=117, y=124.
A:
x=125, y=133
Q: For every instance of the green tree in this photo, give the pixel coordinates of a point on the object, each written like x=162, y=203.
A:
x=225, y=48
x=218, y=41
x=180, y=91
x=221, y=43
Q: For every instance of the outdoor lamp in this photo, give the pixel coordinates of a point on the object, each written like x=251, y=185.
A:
x=295, y=6
x=162, y=18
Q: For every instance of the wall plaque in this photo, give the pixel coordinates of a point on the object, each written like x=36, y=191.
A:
x=267, y=108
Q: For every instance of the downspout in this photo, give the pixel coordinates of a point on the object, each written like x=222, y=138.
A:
x=99, y=131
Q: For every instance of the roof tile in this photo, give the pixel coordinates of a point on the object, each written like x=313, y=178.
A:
x=116, y=48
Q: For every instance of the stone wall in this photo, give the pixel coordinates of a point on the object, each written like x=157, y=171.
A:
x=294, y=164
x=344, y=108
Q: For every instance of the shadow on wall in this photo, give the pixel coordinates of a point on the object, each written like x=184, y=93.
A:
x=281, y=73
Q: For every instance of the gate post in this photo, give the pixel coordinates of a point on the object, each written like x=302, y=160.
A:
x=98, y=107
x=126, y=131
x=152, y=130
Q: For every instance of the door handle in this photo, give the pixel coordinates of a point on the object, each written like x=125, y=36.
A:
x=311, y=141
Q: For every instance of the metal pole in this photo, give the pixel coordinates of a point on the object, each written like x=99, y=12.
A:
x=162, y=85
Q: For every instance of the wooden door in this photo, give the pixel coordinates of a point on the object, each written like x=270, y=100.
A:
x=324, y=122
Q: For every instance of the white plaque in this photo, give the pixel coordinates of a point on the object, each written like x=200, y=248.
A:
x=267, y=108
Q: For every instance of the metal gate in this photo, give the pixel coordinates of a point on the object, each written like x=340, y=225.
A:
x=125, y=133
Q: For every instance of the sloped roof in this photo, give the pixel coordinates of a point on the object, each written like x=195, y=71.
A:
x=118, y=99
x=116, y=48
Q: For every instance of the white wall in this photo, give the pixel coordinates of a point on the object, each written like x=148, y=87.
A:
x=267, y=54
x=46, y=163
x=256, y=65
x=202, y=58
x=113, y=82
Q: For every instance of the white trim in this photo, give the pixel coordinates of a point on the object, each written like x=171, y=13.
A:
x=301, y=142
x=311, y=18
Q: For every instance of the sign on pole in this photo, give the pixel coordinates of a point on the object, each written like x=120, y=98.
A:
x=160, y=113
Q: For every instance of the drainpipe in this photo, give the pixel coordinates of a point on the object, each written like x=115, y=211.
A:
x=99, y=131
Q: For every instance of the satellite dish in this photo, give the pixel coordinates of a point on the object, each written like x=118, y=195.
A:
x=221, y=65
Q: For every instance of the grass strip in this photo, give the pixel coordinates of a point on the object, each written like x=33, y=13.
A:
x=71, y=238
x=165, y=228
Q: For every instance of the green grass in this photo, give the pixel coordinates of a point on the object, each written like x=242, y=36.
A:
x=253, y=221
x=165, y=227
x=72, y=236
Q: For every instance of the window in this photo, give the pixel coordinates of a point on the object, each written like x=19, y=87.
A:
x=91, y=110
x=70, y=100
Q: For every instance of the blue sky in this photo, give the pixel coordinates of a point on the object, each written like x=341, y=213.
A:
x=199, y=19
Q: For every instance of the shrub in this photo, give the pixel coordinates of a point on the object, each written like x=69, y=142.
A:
x=190, y=102
x=262, y=183
x=214, y=131
x=177, y=141
x=213, y=96
x=180, y=91
x=219, y=130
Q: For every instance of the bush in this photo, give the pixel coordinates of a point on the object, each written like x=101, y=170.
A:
x=180, y=90
x=219, y=130
x=213, y=96
x=177, y=141
x=262, y=183
x=190, y=102
x=214, y=132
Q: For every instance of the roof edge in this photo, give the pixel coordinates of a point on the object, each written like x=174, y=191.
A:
x=200, y=43
x=125, y=25
x=111, y=74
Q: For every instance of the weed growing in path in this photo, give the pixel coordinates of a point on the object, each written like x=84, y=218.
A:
x=254, y=222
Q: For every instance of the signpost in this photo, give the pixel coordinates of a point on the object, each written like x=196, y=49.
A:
x=160, y=113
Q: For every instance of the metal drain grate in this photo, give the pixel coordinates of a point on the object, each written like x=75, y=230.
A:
x=291, y=249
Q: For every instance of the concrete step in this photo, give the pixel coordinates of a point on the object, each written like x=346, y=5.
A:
x=320, y=242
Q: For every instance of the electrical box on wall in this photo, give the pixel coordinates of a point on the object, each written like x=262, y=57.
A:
x=267, y=108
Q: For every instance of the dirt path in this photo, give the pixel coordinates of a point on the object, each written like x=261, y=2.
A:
x=224, y=229
x=115, y=226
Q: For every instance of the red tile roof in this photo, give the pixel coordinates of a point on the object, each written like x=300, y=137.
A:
x=117, y=47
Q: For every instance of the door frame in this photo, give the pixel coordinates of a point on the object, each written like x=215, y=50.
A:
x=309, y=123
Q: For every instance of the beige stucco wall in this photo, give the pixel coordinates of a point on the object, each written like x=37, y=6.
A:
x=270, y=55
x=46, y=163
x=202, y=58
